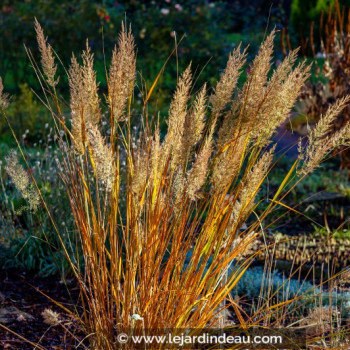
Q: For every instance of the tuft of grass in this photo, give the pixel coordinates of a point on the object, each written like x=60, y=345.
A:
x=158, y=218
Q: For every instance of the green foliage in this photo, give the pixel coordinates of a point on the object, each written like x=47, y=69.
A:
x=27, y=240
x=26, y=115
x=327, y=178
x=207, y=26
x=33, y=253
x=340, y=234
x=17, y=28
x=209, y=31
x=305, y=12
x=153, y=24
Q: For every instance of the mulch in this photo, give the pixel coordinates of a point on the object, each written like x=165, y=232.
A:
x=21, y=307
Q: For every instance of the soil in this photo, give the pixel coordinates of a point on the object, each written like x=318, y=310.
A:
x=21, y=307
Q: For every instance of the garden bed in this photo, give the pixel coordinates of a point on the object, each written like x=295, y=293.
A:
x=21, y=308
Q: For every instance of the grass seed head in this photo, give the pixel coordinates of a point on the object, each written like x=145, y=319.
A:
x=21, y=181
x=122, y=73
x=50, y=317
x=47, y=58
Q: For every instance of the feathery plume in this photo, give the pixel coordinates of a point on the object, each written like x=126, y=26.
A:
x=122, y=73
x=281, y=93
x=254, y=89
x=251, y=185
x=228, y=164
x=102, y=156
x=76, y=84
x=178, y=186
x=92, y=112
x=139, y=177
x=177, y=115
x=257, y=118
x=227, y=83
x=194, y=123
x=84, y=100
x=198, y=173
x=47, y=59
x=156, y=166
x=50, y=317
x=243, y=114
x=320, y=141
x=21, y=181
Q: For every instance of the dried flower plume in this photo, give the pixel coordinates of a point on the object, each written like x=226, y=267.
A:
x=47, y=58
x=50, y=317
x=320, y=141
x=251, y=185
x=84, y=99
x=103, y=159
x=122, y=73
x=227, y=83
x=199, y=171
x=173, y=144
x=21, y=181
x=195, y=122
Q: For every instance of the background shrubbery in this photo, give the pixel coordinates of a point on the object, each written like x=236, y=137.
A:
x=208, y=29
x=211, y=28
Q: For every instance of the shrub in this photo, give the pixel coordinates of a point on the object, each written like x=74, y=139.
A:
x=27, y=116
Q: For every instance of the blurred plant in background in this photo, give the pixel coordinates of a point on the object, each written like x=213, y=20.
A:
x=27, y=116
x=211, y=30
x=333, y=82
x=303, y=13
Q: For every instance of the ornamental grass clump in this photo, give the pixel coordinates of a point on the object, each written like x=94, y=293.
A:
x=160, y=235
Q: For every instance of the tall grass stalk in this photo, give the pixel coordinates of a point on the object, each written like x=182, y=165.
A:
x=160, y=235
